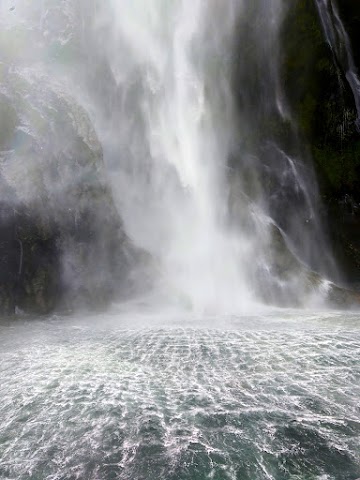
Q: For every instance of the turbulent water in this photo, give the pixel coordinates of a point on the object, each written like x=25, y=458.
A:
x=180, y=95
x=145, y=396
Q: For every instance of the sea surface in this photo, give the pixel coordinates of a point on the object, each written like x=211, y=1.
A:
x=151, y=396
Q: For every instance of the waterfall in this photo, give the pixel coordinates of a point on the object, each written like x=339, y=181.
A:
x=185, y=97
x=339, y=42
x=172, y=66
x=192, y=158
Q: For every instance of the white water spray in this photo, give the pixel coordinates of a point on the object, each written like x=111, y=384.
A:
x=190, y=165
x=178, y=52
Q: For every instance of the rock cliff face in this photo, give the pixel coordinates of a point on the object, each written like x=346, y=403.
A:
x=324, y=106
x=62, y=240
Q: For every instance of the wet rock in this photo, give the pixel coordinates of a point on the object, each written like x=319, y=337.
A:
x=323, y=104
x=343, y=298
x=63, y=243
x=345, y=236
x=294, y=284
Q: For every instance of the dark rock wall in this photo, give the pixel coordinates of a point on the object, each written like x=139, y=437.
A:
x=324, y=107
x=62, y=242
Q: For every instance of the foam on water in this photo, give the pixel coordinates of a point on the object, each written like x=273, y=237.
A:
x=85, y=399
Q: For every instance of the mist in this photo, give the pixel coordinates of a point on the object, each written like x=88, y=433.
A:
x=139, y=139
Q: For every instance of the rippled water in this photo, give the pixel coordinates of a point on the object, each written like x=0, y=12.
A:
x=169, y=397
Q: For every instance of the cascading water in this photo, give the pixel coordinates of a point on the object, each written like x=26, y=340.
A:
x=187, y=100
x=185, y=128
x=187, y=174
x=340, y=44
x=180, y=94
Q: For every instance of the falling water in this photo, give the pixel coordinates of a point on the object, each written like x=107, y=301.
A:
x=186, y=175
x=339, y=42
x=179, y=93
x=178, y=134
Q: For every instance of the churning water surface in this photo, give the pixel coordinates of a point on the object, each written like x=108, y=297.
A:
x=172, y=396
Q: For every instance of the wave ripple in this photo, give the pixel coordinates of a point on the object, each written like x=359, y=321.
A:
x=179, y=404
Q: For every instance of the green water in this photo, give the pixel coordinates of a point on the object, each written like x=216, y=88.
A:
x=147, y=397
